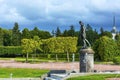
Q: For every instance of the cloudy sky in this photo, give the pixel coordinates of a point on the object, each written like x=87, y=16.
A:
x=49, y=14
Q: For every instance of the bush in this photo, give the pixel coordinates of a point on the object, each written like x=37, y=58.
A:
x=116, y=60
x=61, y=56
x=105, y=49
x=10, y=51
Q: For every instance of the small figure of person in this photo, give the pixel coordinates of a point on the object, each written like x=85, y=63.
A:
x=83, y=35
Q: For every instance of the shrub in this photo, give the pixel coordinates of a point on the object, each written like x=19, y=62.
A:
x=116, y=60
x=10, y=51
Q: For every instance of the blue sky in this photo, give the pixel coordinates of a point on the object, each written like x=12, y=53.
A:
x=49, y=14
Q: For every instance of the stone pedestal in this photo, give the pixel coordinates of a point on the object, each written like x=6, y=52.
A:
x=86, y=60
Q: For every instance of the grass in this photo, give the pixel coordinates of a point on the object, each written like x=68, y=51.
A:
x=31, y=60
x=38, y=60
x=95, y=77
x=96, y=62
x=21, y=72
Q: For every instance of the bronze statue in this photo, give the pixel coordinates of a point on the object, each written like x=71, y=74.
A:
x=83, y=35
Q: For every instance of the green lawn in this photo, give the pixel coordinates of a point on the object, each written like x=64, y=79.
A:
x=31, y=60
x=95, y=77
x=21, y=72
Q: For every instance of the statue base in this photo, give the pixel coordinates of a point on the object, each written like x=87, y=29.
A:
x=86, y=60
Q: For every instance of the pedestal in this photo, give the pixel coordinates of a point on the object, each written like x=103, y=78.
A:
x=86, y=60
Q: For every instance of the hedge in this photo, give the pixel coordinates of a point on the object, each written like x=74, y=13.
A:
x=61, y=56
x=116, y=60
x=10, y=51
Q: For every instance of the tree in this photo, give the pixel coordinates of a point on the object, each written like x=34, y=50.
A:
x=105, y=33
x=60, y=45
x=16, y=35
x=44, y=34
x=37, y=43
x=25, y=33
x=41, y=34
x=1, y=37
x=71, y=32
x=7, y=37
x=101, y=30
x=118, y=44
x=79, y=41
x=65, y=33
x=27, y=47
x=91, y=34
x=34, y=32
x=105, y=48
x=58, y=32
x=53, y=33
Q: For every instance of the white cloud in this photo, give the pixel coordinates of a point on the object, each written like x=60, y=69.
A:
x=59, y=12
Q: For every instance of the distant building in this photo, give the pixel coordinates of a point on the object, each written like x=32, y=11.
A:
x=114, y=30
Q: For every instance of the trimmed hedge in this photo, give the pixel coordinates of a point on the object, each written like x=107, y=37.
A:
x=9, y=51
x=116, y=60
x=61, y=56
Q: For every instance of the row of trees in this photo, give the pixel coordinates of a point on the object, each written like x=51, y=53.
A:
x=106, y=48
x=52, y=45
x=14, y=36
x=61, y=42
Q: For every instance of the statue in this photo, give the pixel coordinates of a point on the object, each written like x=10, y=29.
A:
x=86, y=43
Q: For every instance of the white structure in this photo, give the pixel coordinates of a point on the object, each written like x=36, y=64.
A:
x=114, y=30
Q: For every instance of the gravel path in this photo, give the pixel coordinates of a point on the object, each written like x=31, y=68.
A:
x=55, y=65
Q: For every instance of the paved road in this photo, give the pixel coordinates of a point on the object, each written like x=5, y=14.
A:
x=55, y=65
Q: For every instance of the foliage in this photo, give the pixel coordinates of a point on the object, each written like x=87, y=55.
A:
x=118, y=44
x=105, y=49
x=7, y=37
x=60, y=44
x=26, y=34
x=71, y=32
x=91, y=34
x=27, y=47
x=1, y=37
x=116, y=60
x=58, y=32
x=16, y=35
x=95, y=77
x=30, y=45
x=21, y=72
x=10, y=51
x=105, y=33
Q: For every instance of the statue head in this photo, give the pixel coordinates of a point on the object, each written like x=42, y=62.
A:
x=81, y=23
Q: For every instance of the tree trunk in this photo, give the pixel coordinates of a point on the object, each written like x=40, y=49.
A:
x=56, y=57
x=68, y=56
x=27, y=57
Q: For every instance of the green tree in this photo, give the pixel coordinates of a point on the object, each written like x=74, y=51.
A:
x=105, y=33
x=79, y=41
x=1, y=37
x=44, y=34
x=118, y=44
x=71, y=32
x=27, y=47
x=34, y=32
x=25, y=33
x=65, y=33
x=7, y=37
x=58, y=32
x=105, y=48
x=91, y=34
x=16, y=35
x=37, y=43
x=53, y=33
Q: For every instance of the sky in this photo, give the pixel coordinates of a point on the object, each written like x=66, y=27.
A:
x=49, y=14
